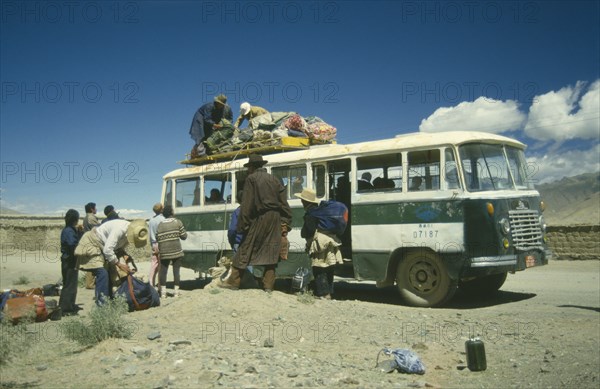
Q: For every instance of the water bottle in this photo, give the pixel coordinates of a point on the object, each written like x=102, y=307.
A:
x=475, y=354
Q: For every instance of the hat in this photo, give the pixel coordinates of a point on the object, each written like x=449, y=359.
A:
x=255, y=160
x=137, y=233
x=222, y=99
x=245, y=108
x=308, y=195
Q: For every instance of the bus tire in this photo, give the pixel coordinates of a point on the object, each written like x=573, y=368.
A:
x=486, y=285
x=423, y=280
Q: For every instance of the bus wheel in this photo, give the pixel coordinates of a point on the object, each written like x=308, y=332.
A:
x=486, y=285
x=423, y=280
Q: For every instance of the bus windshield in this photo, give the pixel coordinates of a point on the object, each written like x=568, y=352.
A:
x=494, y=167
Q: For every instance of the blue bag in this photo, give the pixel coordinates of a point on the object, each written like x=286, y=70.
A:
x=139, y=295
x=332, y=216
x=405, y=361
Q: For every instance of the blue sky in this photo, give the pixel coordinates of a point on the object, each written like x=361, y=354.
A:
x=98, y=96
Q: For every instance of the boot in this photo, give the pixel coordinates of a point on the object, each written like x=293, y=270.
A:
x=176, y=292
x=268, y=280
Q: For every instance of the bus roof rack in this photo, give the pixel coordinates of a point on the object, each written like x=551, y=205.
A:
x=282, y=145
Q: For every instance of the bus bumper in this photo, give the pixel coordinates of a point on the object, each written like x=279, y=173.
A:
x=512, y=262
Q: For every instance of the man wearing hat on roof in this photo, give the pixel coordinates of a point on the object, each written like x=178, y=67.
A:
x=100, y=249
x=248, y=112
x=324, y=224
x=206, y=120
x=265, y=217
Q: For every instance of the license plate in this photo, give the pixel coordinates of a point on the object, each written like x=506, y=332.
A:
x=529, y=261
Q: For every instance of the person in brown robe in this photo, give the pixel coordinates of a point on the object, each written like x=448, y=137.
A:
x=265, y=216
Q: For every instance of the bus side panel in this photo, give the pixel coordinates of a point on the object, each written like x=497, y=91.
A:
x=384, y=228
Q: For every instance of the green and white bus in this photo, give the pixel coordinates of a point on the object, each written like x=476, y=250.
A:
x=428, y=212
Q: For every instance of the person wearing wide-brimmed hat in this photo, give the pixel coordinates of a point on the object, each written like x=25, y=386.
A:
x=206, y=120
x=324, y=224
x=248, y=112
x=99, y=250
x=264, y=218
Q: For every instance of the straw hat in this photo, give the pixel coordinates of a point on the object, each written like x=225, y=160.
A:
x=221, y=99
x=308, y=195
x=137, y=233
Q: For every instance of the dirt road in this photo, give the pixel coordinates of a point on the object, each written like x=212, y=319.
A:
x=541, y=330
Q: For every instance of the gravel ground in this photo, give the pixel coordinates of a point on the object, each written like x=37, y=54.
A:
x=541, y=330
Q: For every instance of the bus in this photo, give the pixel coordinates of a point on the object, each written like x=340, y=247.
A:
x=429, y=213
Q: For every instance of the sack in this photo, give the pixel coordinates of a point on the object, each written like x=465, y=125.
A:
x=332, y=217
x=300, y=280
x=31, y=307
x=296, y=123
x=139, y=295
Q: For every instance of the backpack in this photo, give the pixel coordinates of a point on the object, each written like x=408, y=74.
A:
x=332, y=217
x=139, y=295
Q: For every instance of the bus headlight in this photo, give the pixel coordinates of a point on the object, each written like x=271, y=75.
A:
x=542, y=223
x=504, y=226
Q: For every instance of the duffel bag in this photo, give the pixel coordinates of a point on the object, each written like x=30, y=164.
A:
x=139, y=295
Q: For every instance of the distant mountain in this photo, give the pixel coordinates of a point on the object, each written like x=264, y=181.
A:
x=572, y=200
x=7, y=211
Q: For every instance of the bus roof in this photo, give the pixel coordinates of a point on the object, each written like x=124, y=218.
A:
x=400, y=142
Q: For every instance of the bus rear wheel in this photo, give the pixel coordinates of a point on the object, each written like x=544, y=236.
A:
x=485, y=286
x=423, y=280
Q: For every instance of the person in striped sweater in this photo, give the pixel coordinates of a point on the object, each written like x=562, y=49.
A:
x=169, y=234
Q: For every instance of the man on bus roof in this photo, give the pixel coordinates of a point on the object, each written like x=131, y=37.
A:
x=206, y=120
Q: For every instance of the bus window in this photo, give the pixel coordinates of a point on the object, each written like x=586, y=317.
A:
x=168, y=200
x=379, y=173
x=451, y=170
x=518, y=164
x=293, y=178
x=319, y=180
x=424, y=170
x=485, y=167
x=187, y=191
x=217, y=189
x=339, y=181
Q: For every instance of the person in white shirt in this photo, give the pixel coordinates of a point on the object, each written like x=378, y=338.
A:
x=152, y=226
x=100, y=249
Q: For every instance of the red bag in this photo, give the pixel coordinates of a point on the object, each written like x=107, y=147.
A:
x=32, y=306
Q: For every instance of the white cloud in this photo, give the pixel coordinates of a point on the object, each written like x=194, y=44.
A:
x=555, y=166
x=483, y=114
x=563, y=115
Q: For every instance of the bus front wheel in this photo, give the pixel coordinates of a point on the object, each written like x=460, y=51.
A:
x=423, y=280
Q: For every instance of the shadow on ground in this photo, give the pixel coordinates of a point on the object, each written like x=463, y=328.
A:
x=367, y=292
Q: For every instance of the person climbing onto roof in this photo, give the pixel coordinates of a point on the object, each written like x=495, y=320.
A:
x=248, y=112
x=206, y=120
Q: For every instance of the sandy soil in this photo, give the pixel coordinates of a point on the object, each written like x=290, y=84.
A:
x=541, y=330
